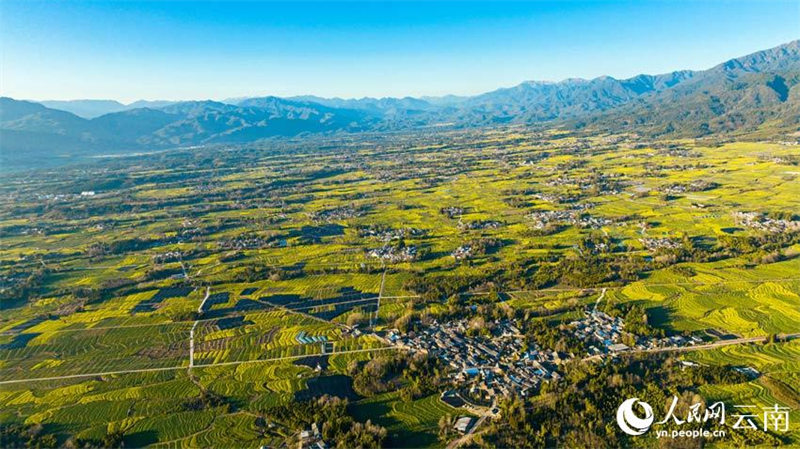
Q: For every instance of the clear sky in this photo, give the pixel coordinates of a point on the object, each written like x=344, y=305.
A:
x=128, y=50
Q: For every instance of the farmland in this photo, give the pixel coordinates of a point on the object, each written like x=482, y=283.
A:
x=194, y=297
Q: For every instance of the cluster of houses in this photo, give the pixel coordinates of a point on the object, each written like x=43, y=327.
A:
x=534, y=161
x=762, y=222
x=35, y=230
x=65, y=196
x=485, y=366
x=698, y=185
x=391, y=253
x=602, y=334
x=674, y=341
x=787, y=159
x=679, y=152
x=488, y=362
x=657, y=243
x=207, y=186
x=169, y=256
x=311, y=439
x=388, y=234
x=335, y=214
x=594, y=247
x=476, y=248
x=605, y=184
x=251, y=242
x=478, y=224
x=462, y=252
x=452, y=211
x=555, y=198
x=543, y=219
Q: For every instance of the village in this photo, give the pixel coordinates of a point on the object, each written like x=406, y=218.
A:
x=394, y=253
x=542, y=219
x=498, y=360
x=766, y=223
x=483, y=366
x=604, y=334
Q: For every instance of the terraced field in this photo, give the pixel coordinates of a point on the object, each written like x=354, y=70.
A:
x=724, y=296
x=410, y=424
x=779, y=365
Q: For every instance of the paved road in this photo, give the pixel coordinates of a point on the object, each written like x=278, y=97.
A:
x=202, y=303
x=651, y=284
x=191, y=345
x=191, y=333
x=380, y=295
x=717, y=344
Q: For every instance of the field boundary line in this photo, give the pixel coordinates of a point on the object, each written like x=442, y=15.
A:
x=371, y=298
x=294, y=357
x=297, y=312
x=210, y=365
x=202, y=320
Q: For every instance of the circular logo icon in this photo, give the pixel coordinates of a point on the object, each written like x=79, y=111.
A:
x=629, y=422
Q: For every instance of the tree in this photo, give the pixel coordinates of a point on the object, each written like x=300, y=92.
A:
x=446, y=424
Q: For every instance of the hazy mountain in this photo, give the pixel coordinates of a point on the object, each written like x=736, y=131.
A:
x=13, y=110
x=34, y=118
x=150, y=104
x=253, y=119
x=445, y=100
x=31, y=132
x=85, y=108
x=740, y=94
x=131, y=127
x=32, y=135
x=374, y=105
x=96, y=108
x=536, y=101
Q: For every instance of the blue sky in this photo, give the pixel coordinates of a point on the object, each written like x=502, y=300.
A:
x=128, y=50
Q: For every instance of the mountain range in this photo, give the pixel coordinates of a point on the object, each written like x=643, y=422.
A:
x=738, y=95
x=95, y=108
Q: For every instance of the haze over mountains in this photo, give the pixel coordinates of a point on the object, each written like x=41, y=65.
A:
x=738, y=95
x=96, y=108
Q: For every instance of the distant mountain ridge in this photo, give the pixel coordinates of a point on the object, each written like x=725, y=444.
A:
x=738, y=95
x=95, y=108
